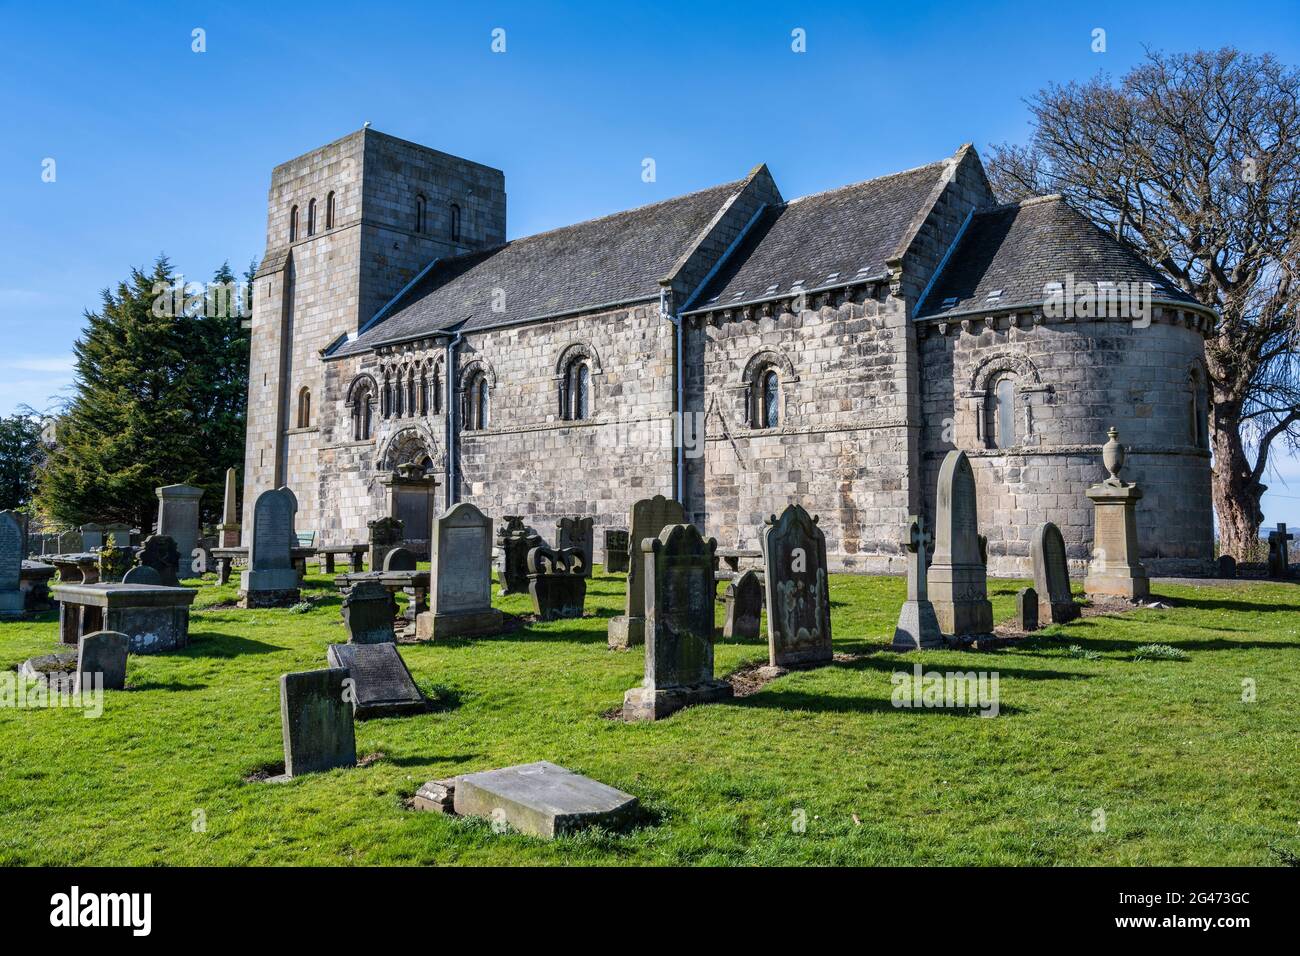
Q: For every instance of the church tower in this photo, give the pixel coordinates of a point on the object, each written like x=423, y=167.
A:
x=348, y=226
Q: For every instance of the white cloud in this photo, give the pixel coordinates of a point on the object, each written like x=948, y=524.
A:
x=42, y=363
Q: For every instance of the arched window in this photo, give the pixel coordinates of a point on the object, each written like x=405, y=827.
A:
x=424, y=391
x=420, y=205
x=410, y=393
x=455, y=223
x=1000, y=412
x=304, y=407
x=311, y=218
x=363, y=405
x=575, y=390
x=478, y=403
x=386, y=397
x=329, y=211
x=765, y=398
x=1199, y=411
x=293, y=224
x=436, y=387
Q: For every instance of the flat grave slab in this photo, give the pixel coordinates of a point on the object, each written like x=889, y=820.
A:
x=383, y=685
x=543, y=799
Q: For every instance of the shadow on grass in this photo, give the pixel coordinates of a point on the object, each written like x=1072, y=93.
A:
x=972, y=661
x=162, y=685
x=207, y=644
x=421, y=761
x=1226, y=604
x=770, y=698
x=1059, y=642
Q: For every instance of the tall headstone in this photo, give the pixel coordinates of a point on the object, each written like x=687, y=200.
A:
x=1115, y=570
x=679, y=599
x=178, y=518
x=385, y=535
x=11, y=565
x=369, y=610
x=160, y=553
x=92, y=536
x=382, y=684
x=556, y=582
x=514, y=541
x=918, y=625
x=616, y=550
x=575, y=531
x=316, y=720
x=412, y=501
x=271, y=579
x=957, y=581
x=649, y=517
x=744, y=606
x=798, y=599
x=460, y=576
x=102, y=653
x=1052, y=575
x=228, y=530
x=1279, y=558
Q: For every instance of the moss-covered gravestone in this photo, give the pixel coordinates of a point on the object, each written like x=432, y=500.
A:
x=316, y=720
x=368, y=610
x=649, y=517
x=101, y=661
x=798, y=600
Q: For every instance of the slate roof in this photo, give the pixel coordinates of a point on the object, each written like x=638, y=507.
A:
x=824, y=239
x=612, y=260
x=1021, y=247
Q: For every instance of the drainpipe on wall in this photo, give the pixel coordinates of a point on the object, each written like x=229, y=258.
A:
x=679, y=427
x=451, y=419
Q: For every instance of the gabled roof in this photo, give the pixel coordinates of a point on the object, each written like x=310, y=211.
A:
x=610, y=261
x=1018, y=249
x=825, y=239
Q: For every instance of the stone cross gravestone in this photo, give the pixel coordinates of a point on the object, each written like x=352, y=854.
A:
x=399, y=559
x=385, y=534
x=679, y=597
x=1027, y=605
x=11, y=565
x=577, y=532
x=616, y=553
x=228, y=530
x=460, y=576
x=798, y=600
x=178, y=518
x=1279, y=558
x=556, y=582
x=101, y=653
x=369, y=610
x=271, y=579
x=316, y=720
x=1052, y=575
x=649, y=517
x=382, y=685
x=744, y=606
x=957, y=580
x=1115, y=570
x=918, y=625
x=160, y=553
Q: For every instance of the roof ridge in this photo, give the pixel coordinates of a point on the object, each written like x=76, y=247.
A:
x=1025, y=203
x=863, y=182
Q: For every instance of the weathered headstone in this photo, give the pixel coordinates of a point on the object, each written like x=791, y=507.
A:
x=11, y=565
x=369, y=609
x=271, y=579
x=160, y=553
x=1279, y=558
x=1115, y=570
x=103, y=653
x=542, y=800
x=228, y=530
x=382, y=686
x=385, y=534
x=679, y=599
x=918, y=625
x=1052, y=575
x=1227, y=566
x=412, y=495
x=957, y=580
x=556, y=582
x=114, y=563
x=514, y=541
x=316, y=719
x=649, y=517
x=399, y=559
x=70, y=542
x=117, y=535
x=744, y=606
x=143, y=574
x=616, y=550
x=1027, y=605
x=460, y=576
x=35, y=583
x=92, y=536
x=577, y=532
x=178, y=519
x=798, y=599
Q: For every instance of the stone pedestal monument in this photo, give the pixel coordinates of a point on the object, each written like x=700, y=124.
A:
x=649, y=517
x=271, y=579
x=918, y=626
x=957, y=582
x=460, y=576
x=178, y=519
x=1115, y=570
x=228, y=530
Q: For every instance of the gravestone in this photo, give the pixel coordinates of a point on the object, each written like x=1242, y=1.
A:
x=514, y=541
x=542, y=800
x=399, y=559
x=385, y=534
x=102, y=653
x=460, y=576
x=1279, y=558
x=1227, y=566
x=92, y=536
x=649, y=517
x=382, y=685
x=798, y=599
x=115, y=563
x=578, y=533
x=679, y=599
x=316, y=720
x=271, y=579
x=1052, y=575
x=143, y=574
x=228, y=530
x=117, y=535
x=1027, y=606
x=70, y=543
x=1115, y=570
x=34, y=580
x=556, y=582
x=918, y=625
x=11, y=565
x=178, y=519
x=411, y=500
x=160, y=553
x=369, y=610
x=744, y=606
x=616, y=553
x=957, y=580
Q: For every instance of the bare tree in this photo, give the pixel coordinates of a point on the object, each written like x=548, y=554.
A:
x=1192, y=160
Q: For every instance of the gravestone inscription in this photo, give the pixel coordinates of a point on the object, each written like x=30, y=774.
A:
x=798, y=599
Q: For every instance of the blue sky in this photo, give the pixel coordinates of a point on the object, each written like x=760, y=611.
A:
x=161, y=149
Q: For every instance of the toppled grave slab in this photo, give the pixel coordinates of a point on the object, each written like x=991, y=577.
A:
x=383, y=686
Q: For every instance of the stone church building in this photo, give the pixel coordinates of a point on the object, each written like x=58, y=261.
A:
x=732, y=347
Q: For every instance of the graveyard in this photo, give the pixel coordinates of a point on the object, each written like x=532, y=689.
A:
x=814, y=766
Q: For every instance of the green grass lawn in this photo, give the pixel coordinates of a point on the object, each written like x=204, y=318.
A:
x=1185, y=772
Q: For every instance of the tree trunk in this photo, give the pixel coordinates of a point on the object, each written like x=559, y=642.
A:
x=1236, y=493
